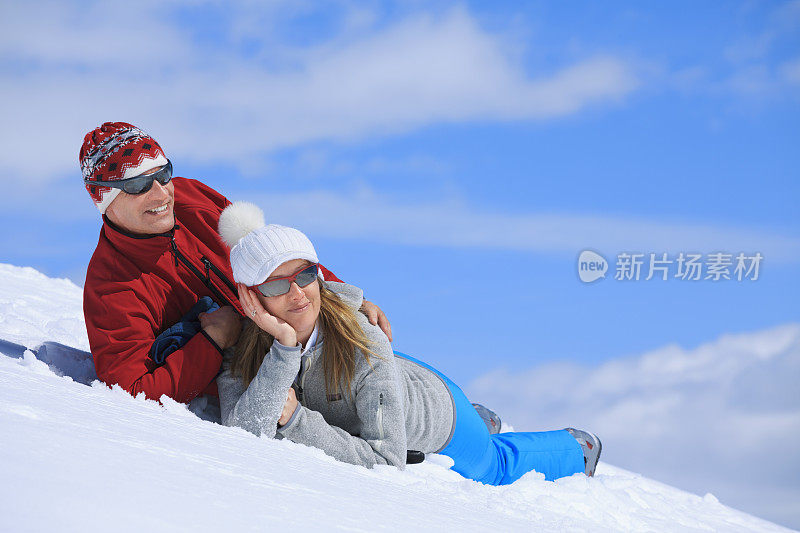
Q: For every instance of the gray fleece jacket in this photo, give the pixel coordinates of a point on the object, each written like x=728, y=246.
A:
x=394, y=404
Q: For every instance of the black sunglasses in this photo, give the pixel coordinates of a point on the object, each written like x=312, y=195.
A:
x=138, y=184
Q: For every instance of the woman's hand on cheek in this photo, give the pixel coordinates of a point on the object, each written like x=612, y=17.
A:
x=281, y=330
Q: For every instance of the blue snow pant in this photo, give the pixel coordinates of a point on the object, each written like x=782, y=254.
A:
x=503, y=458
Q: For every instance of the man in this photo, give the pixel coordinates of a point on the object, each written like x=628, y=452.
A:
x=158, y=253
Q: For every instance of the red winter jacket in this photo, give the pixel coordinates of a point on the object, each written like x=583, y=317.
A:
x=138, y=286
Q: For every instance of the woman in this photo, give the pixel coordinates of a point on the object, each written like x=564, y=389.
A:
x=310, y=368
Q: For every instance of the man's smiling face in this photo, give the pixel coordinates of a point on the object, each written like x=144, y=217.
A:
x=146, y=213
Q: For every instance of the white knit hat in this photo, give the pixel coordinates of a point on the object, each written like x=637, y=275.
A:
x=258, y=249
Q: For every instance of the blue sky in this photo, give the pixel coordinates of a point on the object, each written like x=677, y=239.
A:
x=452, y=159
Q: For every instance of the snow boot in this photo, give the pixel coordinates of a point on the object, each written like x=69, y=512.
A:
x=591, y=447
x=489, y=417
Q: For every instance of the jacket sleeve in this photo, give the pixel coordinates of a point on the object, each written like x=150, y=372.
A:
x=258, y=407
x=380, y=406
x=212, y=199
x=120, y=331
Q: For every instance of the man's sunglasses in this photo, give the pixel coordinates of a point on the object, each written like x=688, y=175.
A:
x=138, y=184
x=279, y=286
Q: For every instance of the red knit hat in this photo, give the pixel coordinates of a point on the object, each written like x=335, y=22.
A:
x=116, y=151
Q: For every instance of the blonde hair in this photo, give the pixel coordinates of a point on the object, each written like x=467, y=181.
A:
x=342, y=335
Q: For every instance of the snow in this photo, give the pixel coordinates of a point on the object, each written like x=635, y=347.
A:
x=730, y=401
x=88, y=457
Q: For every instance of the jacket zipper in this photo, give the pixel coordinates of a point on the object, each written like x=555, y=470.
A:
x=209, y=265
x=304, y=369
x=380, y=416
x=302, y=384
x=206, y=280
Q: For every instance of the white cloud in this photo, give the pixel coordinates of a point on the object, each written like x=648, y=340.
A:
x=89, y=35
x=720, y=418
x=75, y=67
x=366, y=215
x=449, y=221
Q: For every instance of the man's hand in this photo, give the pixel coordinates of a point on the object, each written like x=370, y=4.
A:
x=222, y=325
x=376, y=317
x=288, y=408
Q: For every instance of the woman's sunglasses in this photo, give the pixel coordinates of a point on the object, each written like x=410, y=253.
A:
x=279, y=286
x=138, y=184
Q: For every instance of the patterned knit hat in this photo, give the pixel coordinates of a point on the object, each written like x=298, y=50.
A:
x=258, y=249
x=116, y=151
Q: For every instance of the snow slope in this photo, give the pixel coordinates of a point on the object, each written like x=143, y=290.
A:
x=86, y=457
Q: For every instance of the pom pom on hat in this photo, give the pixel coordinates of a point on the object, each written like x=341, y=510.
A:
x=239, y=219
x=258, y=249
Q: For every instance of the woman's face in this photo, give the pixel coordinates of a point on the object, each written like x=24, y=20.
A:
x=300, y=306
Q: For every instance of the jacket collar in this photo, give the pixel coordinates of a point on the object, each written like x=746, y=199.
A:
x=312, y=340
x=135, y=244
